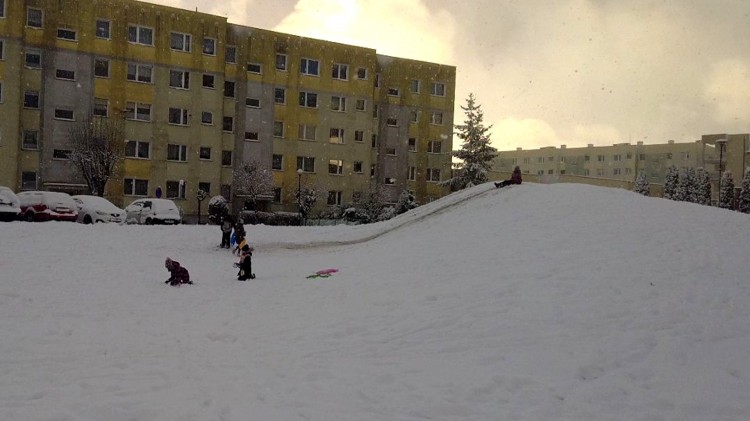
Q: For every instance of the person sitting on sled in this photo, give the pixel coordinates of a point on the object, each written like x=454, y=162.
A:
x=179, y=275
x=515, y=178
x=245, y=264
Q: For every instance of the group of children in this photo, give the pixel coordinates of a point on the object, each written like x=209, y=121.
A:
x=179, y=275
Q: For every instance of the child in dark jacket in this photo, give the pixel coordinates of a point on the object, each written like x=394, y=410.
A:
x=515, y=178
x=178, y=274
x=245, y=264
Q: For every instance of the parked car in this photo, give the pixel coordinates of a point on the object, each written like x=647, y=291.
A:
x=93, y=209
x=10, y=206
x=152, y=211
x=47, y=206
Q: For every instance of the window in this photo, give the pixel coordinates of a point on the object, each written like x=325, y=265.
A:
x=277, y=162
x=357, y=167
x=207, y=117
x=230, y=53
x=338, y=103
x=226, y=158
x=206, y=187
x=374, y=141
x=279, y=96
x=180, y=42
x=414, y=86
x=30, y=139
x=393, y=122
x=437, y=89
x=390, y=151
x=138, y=111
x=340, y=71
x=2, y=48
x=252, y=136
x=433, y=174
x=361, y=73
x=413, y=116
x=227, y=124
x=33, y=59
x=61, y=154
x=359, y=136
x=550, y=171
x=335, y=166
x=308, y=99
x=412, y=174
x=309, y=67
x=434, y=146
x=2, y=8
x=178, y=116
x=278, y=129
x=617, y=157
x=65, y=74
x=281, y=62
x=277, y=195
x=101, y=107
x=208, y=81
x=176, y=153
x=436, y=118
x=176, y=189
x=204, y=152
x=28, y=180
x=334, y=198
x=377, y=80
x=412, y=144
x=306, y=163
x=617, y=171
x=373, y=169
x=389, y=181
x=31, y=99
x=101, y=67
x=336, y=135
x=629, y=155
x=669, y=155
x=392, y=91
x=600, y=158
x=67, y=34
x=179, y=79
x=361, y=105
x=252, y=102
x=64, y=114
x=229, y=89
x=586, y=158
x=140, y=35
x=139, y=72
x=306, y=132
x=34, y=18
x=137, y=149
x=209, y=48
x=103, y=29
x=540, y=160
x=254, y=68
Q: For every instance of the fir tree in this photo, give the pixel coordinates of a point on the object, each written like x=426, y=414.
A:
x=745, y=195
x=476, y=153
x=726, y=192
x=641, y=185
x=670, y=183
x=703, y=191
x=687, y=187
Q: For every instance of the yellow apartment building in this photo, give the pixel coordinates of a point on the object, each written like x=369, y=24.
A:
x=200, y=97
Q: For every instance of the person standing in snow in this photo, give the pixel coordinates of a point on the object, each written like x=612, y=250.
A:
x=178, y=274
x=226, y=231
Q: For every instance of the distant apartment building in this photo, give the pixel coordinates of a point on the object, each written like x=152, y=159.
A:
x=619, y=164
x=200, y=97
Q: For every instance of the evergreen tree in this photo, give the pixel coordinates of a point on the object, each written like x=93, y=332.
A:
x=406, y=202
x=641, y=185
x=745, y=195
x=670, y=183
x=688, y=186
x=726, y=192
x=703, y=190
x=476, y=153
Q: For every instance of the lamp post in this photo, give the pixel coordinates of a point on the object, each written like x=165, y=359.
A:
x=721, y=143
x=299, y=194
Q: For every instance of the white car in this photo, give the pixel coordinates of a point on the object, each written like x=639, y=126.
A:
x=152, y=211
x=93, y=209
x=10, y=206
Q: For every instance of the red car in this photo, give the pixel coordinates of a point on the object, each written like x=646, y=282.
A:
x=47, y=206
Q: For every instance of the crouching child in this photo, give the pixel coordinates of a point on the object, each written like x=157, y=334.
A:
x=245, y=264
x=178, y=274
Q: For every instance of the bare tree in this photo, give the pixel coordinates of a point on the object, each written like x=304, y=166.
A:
x=97, y=145
x=253, y=180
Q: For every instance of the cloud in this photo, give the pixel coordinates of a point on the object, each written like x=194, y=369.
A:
x=401, y=28
x=510, y=133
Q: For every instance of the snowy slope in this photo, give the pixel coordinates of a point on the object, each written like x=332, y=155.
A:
x=534, y=302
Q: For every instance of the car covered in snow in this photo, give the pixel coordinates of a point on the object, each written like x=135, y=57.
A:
x=152, y=211
x=10, y=206
x=47, y=206
x=92, y=209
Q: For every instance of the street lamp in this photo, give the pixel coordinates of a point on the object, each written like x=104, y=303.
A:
x=299, y=193
x=722, y=143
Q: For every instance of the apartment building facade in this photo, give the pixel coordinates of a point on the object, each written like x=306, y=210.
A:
x=200, y=97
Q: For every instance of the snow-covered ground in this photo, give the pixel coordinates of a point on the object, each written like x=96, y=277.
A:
x=535, y=302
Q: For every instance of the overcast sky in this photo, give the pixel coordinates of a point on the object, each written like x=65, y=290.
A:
x=552, y=72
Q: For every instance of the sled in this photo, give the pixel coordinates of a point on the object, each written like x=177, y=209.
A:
x=323, y=273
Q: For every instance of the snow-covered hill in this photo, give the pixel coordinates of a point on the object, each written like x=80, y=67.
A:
x=535, y=302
